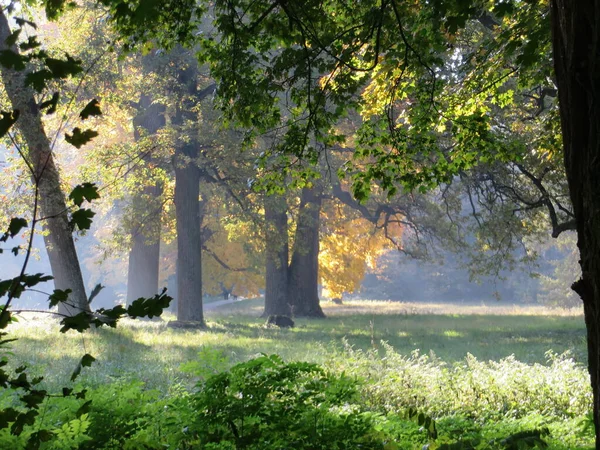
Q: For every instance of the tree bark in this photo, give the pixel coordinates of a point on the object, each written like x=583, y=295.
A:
x=189, y=245
x=144, y=256
x=576, y=39
x=60, y=246
x=303, y=287
x=187, y=207
x=277, y=253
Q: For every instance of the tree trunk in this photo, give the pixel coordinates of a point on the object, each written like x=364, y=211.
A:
x=187, y=206
x=276, y=238
x=189, y=246
x=144, y=256
x=142, y=275
x=59, y=242
x=576, y=39
x=303, y=287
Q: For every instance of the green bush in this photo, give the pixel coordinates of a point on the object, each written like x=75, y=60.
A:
x=268, y=404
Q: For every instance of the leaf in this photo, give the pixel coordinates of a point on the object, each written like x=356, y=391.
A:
x=13, y=38
x=5, y=319
x=82, y=219
x=149, y=307
x=20, y=22
x=54, y=8
x=83, y=409
x=38, y=79
x=80, y=138
x=7, y=120
x=14, y=227
x=29, y=44
x=87, y=360
x=50, y=104
x=91, y=109
x=66, y=391
x=79, y=322
x=34, y=398
x=6, y=416
x=85, y=191
x=37, y=438
x=61, y=68
x=95, y=292
x=12, y=60
x=23, y=419
x=58, y=296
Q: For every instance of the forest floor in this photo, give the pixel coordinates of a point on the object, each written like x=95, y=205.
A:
x=528, y=361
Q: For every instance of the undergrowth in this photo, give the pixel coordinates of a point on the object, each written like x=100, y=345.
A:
x=376, y=399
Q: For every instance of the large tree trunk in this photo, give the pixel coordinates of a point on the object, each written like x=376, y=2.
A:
x=187, y=207
x=144, y=256
x=142, y=275
x=189, y=246
x=276, y=239
x=303, y=286
x=59, y=241
x=576, y=39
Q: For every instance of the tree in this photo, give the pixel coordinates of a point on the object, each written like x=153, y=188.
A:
x=40, y=160
x=575, y=32
x=398, y=61
x=143, y=271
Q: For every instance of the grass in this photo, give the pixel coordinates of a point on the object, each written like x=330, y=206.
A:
x=499, y=366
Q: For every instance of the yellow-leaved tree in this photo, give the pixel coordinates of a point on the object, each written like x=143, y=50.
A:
x=349, y=244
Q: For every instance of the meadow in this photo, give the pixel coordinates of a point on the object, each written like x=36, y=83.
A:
x=480, y=372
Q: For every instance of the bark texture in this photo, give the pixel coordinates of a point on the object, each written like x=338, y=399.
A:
x=276, y=237
x=188, y=209
x=144, y=256
x=303, y=292
x=576, y=46
x=59, y=242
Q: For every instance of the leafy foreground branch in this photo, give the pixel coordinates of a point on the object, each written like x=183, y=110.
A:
x=28, y=397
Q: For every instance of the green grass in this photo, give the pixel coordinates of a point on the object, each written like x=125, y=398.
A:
x=498, y=368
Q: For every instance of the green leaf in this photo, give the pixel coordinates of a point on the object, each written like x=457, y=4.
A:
x=50, y=104
x=54, y=8
x=85, y=191
x=61, y=68
x=34, y=398
x=29, y=44
x=95, y=292
x=79, y=322
x=23, y=419
x=14, y=227
x=83, y=409
x=87, y=360
x=91, y=109
x=37, y=438
x=7, y=120
x=80, y=138
x=12, y=60
x=82, y=219
x=149, y=307
x=6, y=416
x=13, y=38
x=38, y=79
x=58, y=296
x=20, y=22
